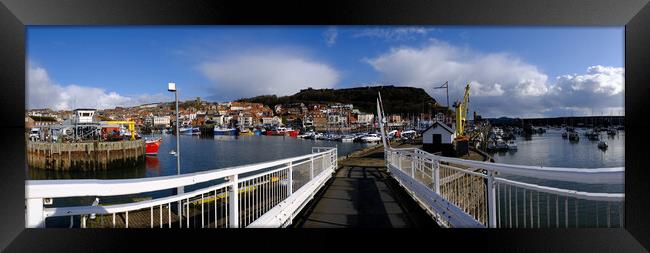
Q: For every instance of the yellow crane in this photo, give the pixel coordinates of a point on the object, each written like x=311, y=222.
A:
x=461, y=115
x=130, y=124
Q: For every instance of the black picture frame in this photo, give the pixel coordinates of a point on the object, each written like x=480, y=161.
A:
x=634, y=15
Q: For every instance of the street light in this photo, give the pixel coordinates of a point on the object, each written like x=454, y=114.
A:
x=171, y=87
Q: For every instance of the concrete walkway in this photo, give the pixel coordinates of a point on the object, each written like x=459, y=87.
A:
x=362, y=194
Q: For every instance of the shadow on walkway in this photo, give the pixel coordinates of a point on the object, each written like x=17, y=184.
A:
x=361, y=196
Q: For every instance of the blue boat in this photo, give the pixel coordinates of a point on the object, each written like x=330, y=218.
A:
x=189, y=130
x=258, y=132
x=225, y=131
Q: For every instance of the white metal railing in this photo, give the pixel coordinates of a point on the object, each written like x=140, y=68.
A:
x=464, y=193
x=265, y=194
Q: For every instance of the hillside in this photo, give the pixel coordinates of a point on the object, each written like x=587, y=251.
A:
x=396, y=99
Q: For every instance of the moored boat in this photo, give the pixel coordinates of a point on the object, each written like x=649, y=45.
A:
x=246, y=132
x=152, y=146
x=371, y=138
x=293, y=133
x=225, y=131
x=602, y=145
x=512, y=145
x=189, y=130
x=277, y=131
x=347, y=138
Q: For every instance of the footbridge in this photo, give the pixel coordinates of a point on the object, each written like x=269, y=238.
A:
x=384, y=187
x=390, y=187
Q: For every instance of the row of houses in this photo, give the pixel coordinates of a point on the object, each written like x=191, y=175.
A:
x=239, y=114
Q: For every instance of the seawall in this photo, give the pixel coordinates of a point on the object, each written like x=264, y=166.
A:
x=85, y=155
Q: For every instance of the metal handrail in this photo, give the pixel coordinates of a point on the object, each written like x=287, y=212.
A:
x=113, y=187
x=39, y=190
x=613, y=175
x=419, y=160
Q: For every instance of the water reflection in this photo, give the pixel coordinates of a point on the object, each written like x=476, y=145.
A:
x=201, y=153
x=153, y=165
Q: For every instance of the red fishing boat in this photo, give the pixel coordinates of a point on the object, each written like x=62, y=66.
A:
x=293, y=133
x=152, y=146
x=277, y=131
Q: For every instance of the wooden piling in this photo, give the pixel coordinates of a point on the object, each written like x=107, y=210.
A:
x=85, y=155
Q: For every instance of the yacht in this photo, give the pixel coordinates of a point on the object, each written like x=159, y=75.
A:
x=347, y=138
x=611, y=131
x=512, y=145
x=225, y=131
x=189, y=130
x=501, y=145
x=602, y=145
x=371, y=138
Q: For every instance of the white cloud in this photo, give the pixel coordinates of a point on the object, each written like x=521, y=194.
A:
x=394, y=34
x=600, y=89
x=502, y=84
x=42, y=92
x=268, y=72
x=598, y=79
x=330, y=36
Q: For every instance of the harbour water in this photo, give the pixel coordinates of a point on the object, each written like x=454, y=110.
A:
x=550, y=150
x=201, y=153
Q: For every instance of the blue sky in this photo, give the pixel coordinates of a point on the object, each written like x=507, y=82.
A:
x=546, y=71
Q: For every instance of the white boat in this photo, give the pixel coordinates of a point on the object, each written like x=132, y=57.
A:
x=512, y=145
x=347, y=138
x=34, y=133
x=218, y=130
x=408, y=134
x=501, y=145
x=189, y=130
x=371, y=138
x=172, y=152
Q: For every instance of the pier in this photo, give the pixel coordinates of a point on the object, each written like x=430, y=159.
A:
x=392, y=186
x=85, y=155
x=362, y=194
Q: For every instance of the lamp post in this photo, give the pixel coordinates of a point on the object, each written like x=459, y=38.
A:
x=172, y=88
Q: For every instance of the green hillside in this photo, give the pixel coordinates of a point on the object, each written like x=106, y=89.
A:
x=404, y=100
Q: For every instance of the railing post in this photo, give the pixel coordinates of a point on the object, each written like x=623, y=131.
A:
x=335, y=160
x=311, y=169
x=234, y=201
x=491, y=201
x=34, y=213
x=413, y=166
x=290, y=183
x=399, y=161
x=436, y=175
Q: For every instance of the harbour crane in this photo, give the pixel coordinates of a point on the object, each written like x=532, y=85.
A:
x=130, y=124
x=461, y=115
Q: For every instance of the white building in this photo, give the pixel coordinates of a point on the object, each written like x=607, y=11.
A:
x=218, y=119
x=246, y=121
x=335, y=119
x=365, y=118
x=84, y=115
x=161, y=121
x=438, y=134
x=275, y=120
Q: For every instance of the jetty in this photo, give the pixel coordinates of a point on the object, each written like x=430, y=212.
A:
x=85, y=155
x=387, y=185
